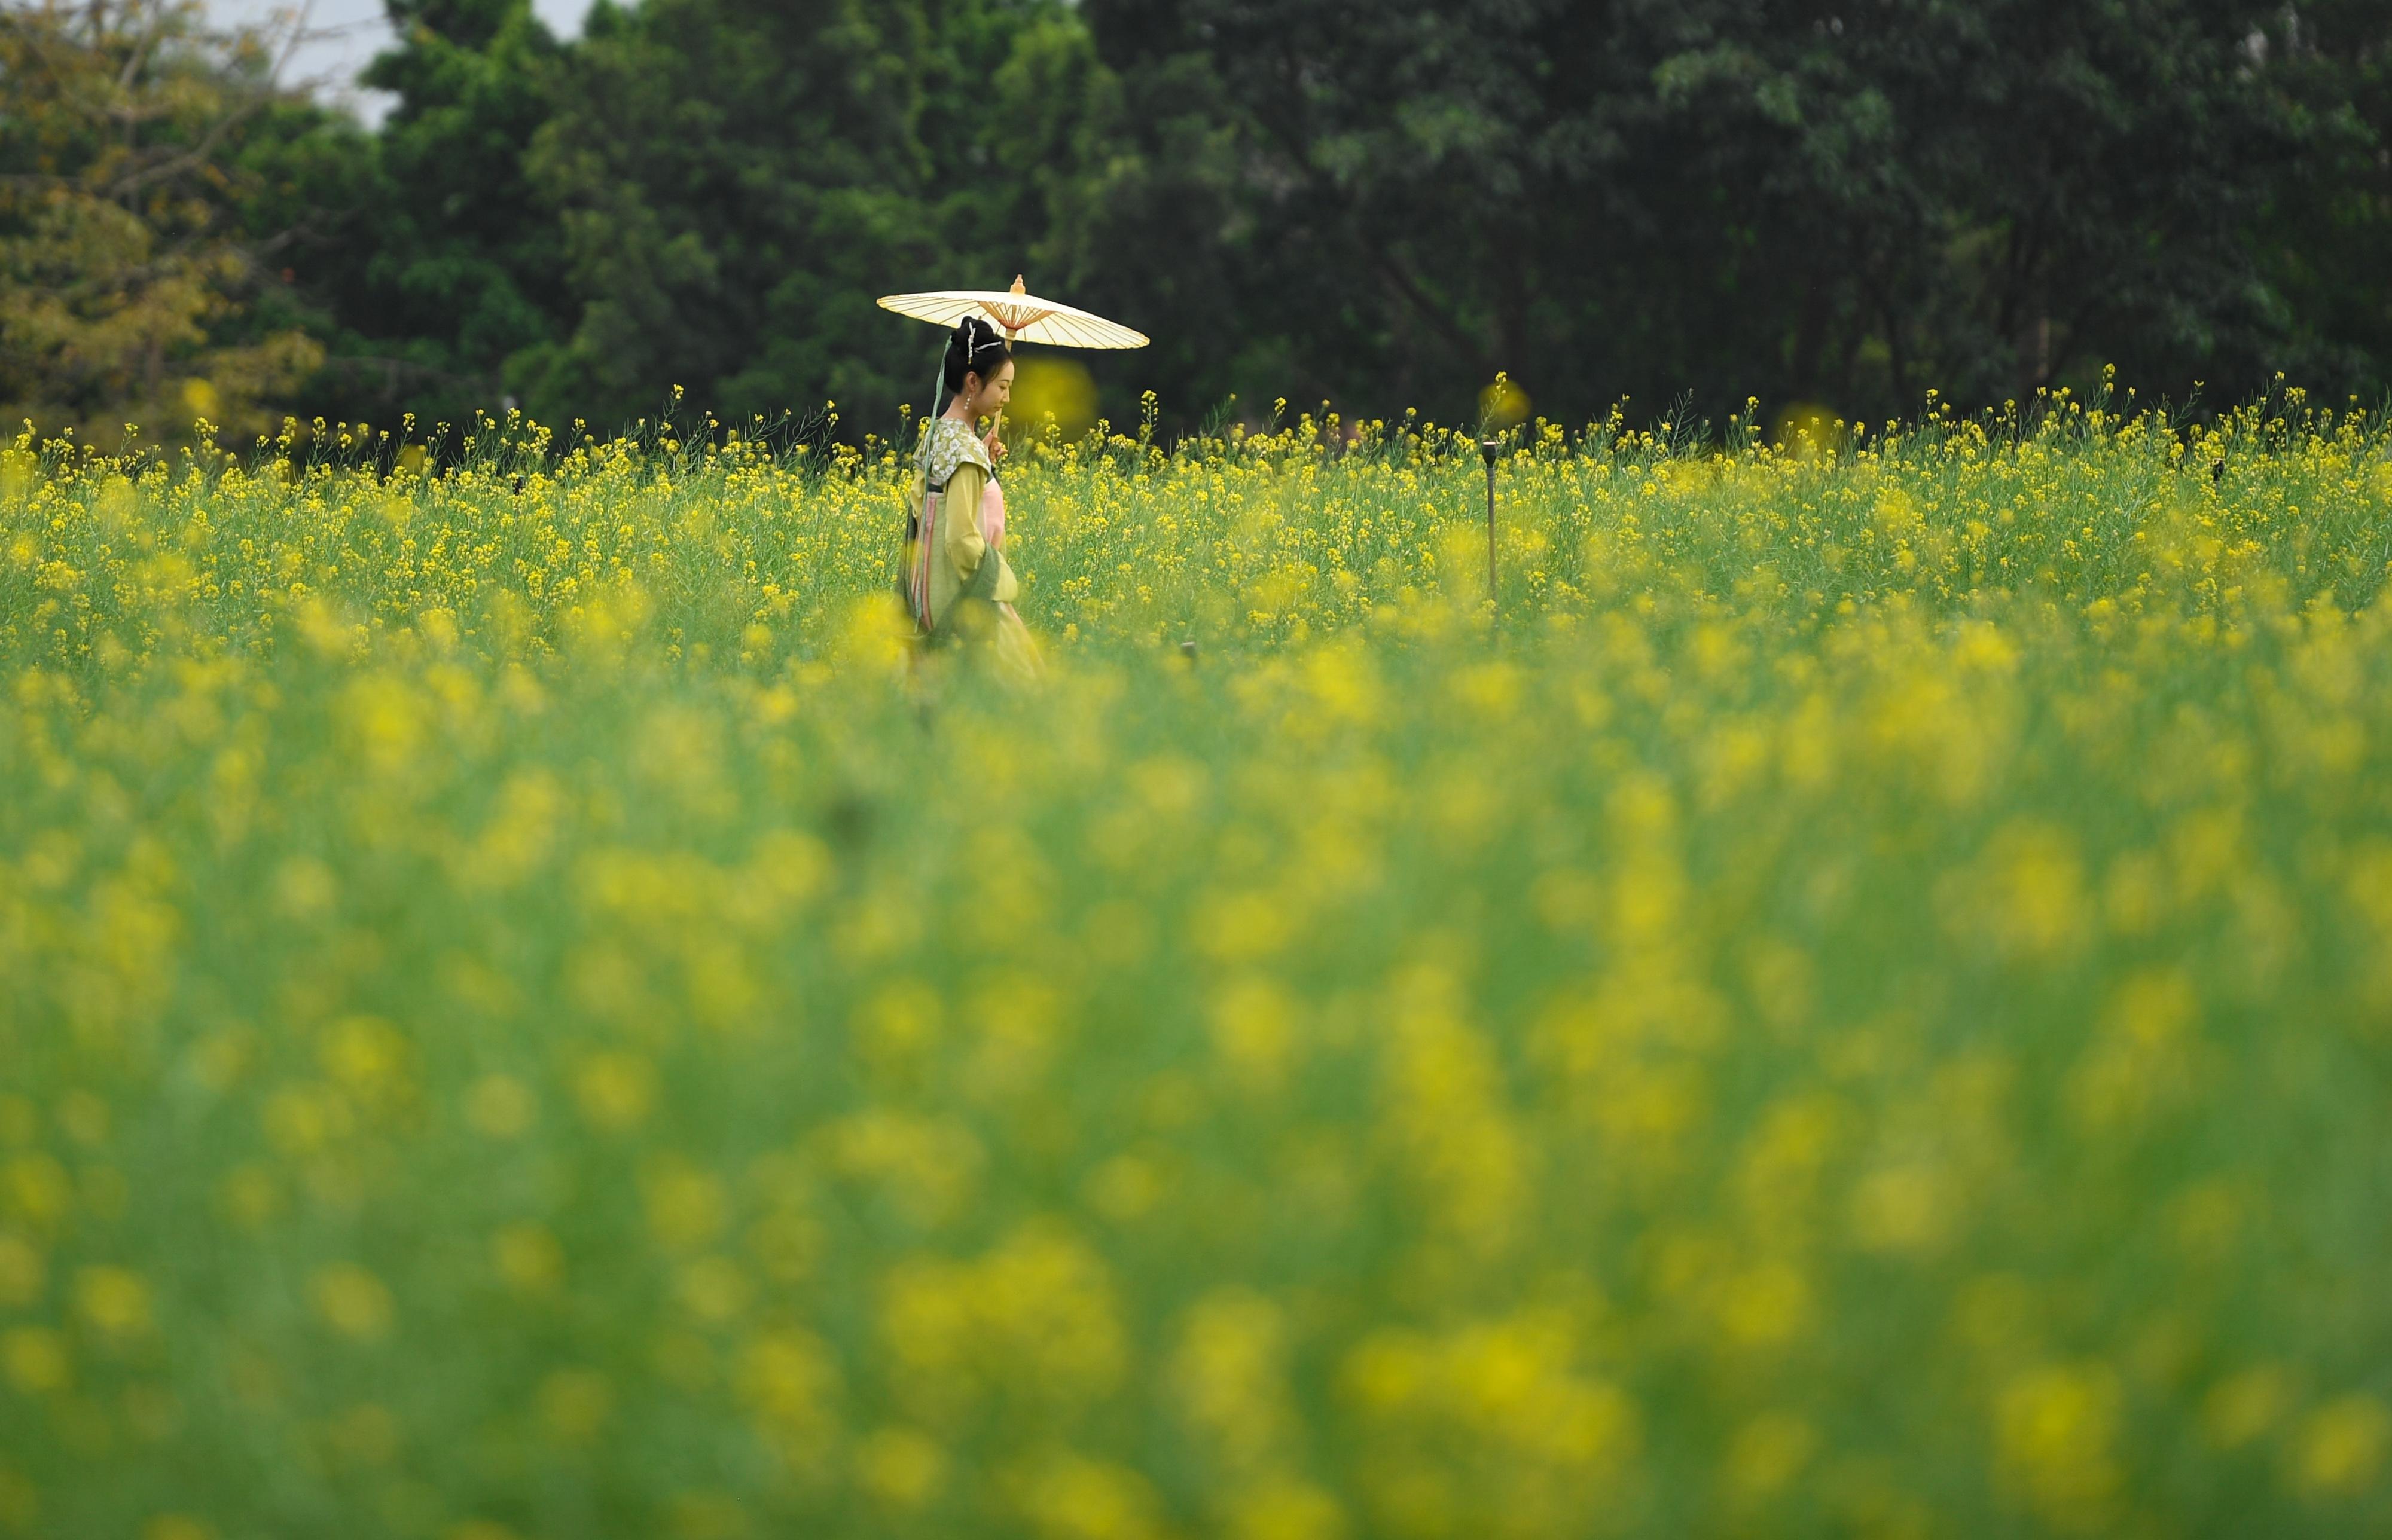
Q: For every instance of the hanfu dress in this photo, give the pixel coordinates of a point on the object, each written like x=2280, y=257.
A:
x=958, y=584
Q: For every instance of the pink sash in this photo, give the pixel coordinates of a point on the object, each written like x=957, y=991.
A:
x=992, y=529
x=992, y=515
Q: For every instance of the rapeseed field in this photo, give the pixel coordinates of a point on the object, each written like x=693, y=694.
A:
x=1854, y=1000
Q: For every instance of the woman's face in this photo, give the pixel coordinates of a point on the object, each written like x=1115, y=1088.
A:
x=998, y=388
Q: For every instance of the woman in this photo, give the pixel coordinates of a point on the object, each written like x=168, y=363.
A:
x=958, y=586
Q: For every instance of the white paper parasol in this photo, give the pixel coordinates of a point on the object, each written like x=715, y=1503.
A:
x=1023, y=317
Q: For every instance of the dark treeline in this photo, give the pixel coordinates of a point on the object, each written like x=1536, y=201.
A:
x=1840, y=202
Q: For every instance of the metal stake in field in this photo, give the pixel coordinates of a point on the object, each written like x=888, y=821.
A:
x=1487, y=447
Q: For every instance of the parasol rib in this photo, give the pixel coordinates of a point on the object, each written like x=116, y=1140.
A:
x=1014, y=319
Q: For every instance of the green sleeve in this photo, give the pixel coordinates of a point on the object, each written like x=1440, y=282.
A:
x=959, y=518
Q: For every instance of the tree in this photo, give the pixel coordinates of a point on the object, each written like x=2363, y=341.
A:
x=2327, y=236
x=1989, y=199
x=128, y=278
x=738, y=180
x=444, y=272
x=1807, y=200
x=1818, y=201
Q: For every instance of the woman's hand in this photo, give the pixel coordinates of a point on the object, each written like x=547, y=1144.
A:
x=989, y=441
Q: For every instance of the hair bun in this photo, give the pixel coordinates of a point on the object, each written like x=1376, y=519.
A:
x=975, y=336
x=969, y=346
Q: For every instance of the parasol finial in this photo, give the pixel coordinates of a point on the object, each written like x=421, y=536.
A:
x=1016, y=285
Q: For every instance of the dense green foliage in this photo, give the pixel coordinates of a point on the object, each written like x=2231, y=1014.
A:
x=1860, y=1005
x=437, y=272
x=1808, y=201
x=1721, y=200
x=1822, y=207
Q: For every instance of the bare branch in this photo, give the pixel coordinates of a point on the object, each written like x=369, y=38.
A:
x=198, y=154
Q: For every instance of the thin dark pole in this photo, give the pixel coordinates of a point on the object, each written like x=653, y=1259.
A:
x=1487, y=447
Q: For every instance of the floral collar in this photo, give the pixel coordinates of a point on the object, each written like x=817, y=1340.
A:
x=947, y=444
